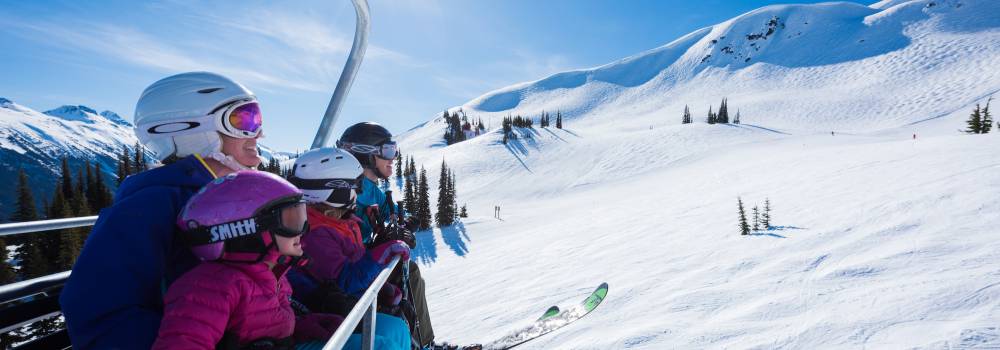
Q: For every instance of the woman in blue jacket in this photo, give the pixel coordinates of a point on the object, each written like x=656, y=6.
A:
x=200, y=126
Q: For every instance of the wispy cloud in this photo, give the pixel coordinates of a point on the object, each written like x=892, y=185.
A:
x=263, y=47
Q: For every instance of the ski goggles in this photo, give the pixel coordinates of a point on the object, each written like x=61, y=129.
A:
x=286, y=221
x=344, y=191
x=240, y=119
x=386, y=151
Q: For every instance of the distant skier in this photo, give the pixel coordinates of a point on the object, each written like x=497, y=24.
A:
x=381, y=222
x=200, y=126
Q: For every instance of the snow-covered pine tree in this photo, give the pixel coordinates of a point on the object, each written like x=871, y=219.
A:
x=975, y=122
x=559, y=120
x=744, y=227
x=737, y=120
x=756, y=219
x=464, y=213
x=409, y=201
x=711, y=116
x=766, y=217
x=686, y=119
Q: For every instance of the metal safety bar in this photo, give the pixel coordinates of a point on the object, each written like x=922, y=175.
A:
x=366, y=306
x=358, y=48
x=45, y=225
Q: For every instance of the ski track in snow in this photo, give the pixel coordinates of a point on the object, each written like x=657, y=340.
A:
x=881, y=241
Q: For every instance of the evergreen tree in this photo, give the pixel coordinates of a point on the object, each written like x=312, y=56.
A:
x=452, y=195
x=723, y=117
x=756, y=219
x=711, y=116
x=744, y=228
x=124, y=165
x=33, y=262
x=686, y=119
x=26, y=210
x=79, y=192
x=423, y=212
x=409, y=200
x=987, y=118
x=413, y=169
x=558, y=120
x=92, y=195
x=766, y=217
x=103, y=193
x=67, y=179
x=463, y=213
x=444, y=214
x=139, y=165
x=399, y=166
x=975, y=122
x=737, y=121
x=6, y=271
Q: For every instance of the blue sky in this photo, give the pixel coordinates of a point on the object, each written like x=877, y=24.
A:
x=423, y=56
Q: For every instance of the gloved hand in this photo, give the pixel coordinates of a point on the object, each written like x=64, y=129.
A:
x=316, y=326
x=384, y=252
x=389, y=295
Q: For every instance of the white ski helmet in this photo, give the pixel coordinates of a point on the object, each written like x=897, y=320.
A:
x=327, y=175
x=179, y=115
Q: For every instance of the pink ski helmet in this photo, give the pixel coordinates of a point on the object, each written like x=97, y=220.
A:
x=235, y=217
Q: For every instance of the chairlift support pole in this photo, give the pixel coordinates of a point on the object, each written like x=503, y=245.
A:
x=362, y=28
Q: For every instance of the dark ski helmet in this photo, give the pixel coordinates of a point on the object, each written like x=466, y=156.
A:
x=367, y=140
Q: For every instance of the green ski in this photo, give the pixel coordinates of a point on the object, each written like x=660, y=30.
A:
x=553, y=319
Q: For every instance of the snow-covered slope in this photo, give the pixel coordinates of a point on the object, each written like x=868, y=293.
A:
x=885, y=231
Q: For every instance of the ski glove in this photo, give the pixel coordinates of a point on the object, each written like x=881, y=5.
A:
x=384, y=252
x=316, y=326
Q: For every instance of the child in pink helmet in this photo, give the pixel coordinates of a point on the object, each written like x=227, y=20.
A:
x=246, y=228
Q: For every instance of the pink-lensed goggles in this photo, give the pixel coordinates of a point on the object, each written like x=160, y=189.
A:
x=241, y=119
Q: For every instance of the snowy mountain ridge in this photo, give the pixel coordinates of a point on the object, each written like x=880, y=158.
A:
x=36, y=141
x=884, y=215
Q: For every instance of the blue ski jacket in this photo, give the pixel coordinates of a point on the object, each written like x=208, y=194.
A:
x=370, y=195
x=114, y=296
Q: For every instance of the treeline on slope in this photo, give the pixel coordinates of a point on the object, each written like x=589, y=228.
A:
x=416, y=195
x=720, y=117
x=460, y=128
x=511, y=122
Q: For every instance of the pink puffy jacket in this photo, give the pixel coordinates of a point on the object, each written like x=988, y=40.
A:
x=247, y=300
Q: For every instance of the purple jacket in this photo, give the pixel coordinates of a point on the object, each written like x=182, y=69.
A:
x=336, y=253
x=246, y=300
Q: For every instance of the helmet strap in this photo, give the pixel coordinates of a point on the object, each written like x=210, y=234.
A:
x=228, y=161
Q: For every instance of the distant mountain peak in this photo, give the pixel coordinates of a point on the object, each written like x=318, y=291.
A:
x=76, y=113
x=115, y=118
x=5, y=102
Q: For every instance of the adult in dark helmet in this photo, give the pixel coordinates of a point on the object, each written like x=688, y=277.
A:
x=374, y=148
x=200, y=126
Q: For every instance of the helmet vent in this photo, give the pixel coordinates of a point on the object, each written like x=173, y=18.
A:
x=209, y=90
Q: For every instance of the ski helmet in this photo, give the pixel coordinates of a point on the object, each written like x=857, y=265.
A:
x=327, y=175
x=181, y=114
x=236, y=217
x=367, y=140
